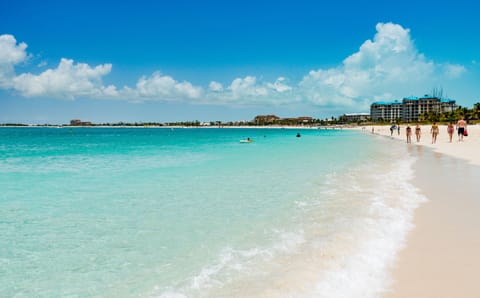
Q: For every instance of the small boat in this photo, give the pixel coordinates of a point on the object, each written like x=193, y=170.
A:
x=247, y=140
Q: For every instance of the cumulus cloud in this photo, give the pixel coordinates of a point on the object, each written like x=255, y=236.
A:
x=11, y=54
x=248, y=90
x=215, y=86
x=42, y=64
x=245, y=87
x=68, y=80
x=165, y=87
x=279, y=85
x=386, y=67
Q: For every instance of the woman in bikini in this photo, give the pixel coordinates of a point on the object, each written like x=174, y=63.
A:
x=408, y=131
x=434, y=131
x=450, y=130
x=418, y=132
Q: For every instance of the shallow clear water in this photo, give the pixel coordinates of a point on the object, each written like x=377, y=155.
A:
x=122, y=212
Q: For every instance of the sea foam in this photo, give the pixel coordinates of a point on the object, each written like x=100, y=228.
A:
x=344, y=239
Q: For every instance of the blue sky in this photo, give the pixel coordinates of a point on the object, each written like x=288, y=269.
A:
x=109, y=61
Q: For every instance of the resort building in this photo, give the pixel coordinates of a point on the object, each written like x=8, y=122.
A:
x=390, y=111
x=354, y=117
x=75, y=122
x=305, y=119
x=266, y=119
x=272, y=119
x=78, y=122
x=410, y=108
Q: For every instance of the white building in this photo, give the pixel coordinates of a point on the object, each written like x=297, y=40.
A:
x=410, y=108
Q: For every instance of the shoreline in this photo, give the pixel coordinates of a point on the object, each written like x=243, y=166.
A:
x=466, y=150
x=191, y=127
x=440, y=257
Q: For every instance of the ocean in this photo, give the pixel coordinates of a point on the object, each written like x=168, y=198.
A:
x=192, y=212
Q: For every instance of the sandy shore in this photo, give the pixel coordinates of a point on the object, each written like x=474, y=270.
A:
x=468, y=150
x=441, y=257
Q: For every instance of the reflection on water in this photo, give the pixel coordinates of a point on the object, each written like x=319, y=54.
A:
x=420, y=151
x=415, y=150
x=438, y=156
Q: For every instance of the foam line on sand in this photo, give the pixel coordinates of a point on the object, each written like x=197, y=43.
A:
x=441, y=257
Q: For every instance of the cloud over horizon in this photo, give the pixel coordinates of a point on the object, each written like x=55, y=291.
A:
x=382, y=68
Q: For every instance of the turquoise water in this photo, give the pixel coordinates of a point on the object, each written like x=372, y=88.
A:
x=117, y=212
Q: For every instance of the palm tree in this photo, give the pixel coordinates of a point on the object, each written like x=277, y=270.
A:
x=476, y=110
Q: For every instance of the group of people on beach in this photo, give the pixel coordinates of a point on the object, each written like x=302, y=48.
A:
x=434, y=130
x=394, y=127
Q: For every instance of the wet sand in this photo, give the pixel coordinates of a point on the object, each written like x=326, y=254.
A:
x=442, y=253
x=468, y=149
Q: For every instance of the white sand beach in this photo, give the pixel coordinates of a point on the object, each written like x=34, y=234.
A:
x=441, y=256
x=468, y=150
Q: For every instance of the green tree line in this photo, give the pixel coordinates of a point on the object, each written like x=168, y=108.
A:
x=471, y=115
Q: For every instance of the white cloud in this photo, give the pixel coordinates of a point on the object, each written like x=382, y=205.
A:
x=68, y=80
x=279, y=85
x=10, y=52
x=166, y=88
x=386, y=67
x=71, y=80
x=249, y=90
x=246, y=87
x=10, y=55
x=42, y=64
x=215, y=86
x=454, y=70
x=109, y=91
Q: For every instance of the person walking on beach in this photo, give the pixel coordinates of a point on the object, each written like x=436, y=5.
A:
x=418, y=132
x=434, y=131
x=450, y=130
x=398, y=129
x=409, y=134
x=461, y=127
x=391, y=130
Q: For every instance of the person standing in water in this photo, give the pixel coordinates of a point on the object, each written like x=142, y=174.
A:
x=408, y=131
x=418, y=132
x=434, y=131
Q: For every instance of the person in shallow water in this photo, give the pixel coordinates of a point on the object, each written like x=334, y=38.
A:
x=434, y=131
x=408, y=132
x=298, y=135
x=418, y=132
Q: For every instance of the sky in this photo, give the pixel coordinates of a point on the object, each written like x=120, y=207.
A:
x=164, y=61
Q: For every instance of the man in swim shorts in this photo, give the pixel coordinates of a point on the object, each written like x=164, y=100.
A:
x=461, y=126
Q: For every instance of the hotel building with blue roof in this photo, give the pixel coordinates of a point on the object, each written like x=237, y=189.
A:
x=410, y=108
